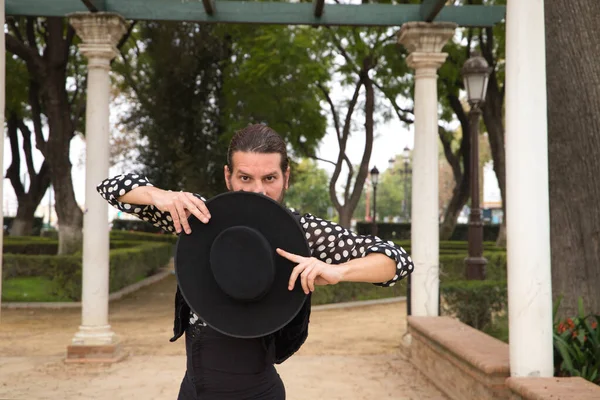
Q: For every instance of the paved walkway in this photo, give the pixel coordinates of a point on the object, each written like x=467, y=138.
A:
x=351, y=354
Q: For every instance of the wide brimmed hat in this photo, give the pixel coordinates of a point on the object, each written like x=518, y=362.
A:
x=229, y=272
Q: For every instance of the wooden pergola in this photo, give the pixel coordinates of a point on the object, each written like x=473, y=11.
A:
x=424, y=29
x=265, y=12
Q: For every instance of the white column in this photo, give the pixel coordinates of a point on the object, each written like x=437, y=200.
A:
x=527, y=198
x=2, y=105
x=100, y=32
x=424, y=41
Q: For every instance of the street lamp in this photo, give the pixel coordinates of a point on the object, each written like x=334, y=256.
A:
x=475, y=75
x=374, y=180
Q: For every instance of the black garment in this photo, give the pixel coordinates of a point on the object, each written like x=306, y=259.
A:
x=221, y=367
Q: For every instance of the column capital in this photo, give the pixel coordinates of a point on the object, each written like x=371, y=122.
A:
x=425, y=37
x=100, y=32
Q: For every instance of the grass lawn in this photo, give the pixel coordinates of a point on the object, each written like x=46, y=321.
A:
x=29, y=289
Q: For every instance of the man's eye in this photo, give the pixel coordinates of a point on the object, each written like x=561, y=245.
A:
x=270, y=178
x=244, y=178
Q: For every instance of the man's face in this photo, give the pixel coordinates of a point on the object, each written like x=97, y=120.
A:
x=258, y=173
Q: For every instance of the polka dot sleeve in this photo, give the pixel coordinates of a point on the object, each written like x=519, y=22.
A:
x=333, y=244
x=112, y=188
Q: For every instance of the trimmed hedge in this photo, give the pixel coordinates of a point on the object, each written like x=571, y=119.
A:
x=474, y=302
x=143, y=236
x=134, y=225
x=401, y=231
x=127, y=266
x=130, y=262
x=355, y=291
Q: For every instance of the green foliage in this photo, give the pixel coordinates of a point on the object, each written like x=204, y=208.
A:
x=174, y=86
x=272, y=77
x=474, y=302
x=194, y=85
x=577, y=345
x=309, y=189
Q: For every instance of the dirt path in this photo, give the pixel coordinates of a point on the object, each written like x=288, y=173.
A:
x=350, y=354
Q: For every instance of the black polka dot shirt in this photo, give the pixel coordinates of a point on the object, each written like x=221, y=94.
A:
x=328, y=241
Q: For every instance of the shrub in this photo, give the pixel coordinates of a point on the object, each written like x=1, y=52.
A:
x=142, y=236
x=127, y=266
x=130, y=261
x=452, y=267
x=473, y=302
x=577, y=345
x=355, y=291
x=401, y=231
x=134, y=225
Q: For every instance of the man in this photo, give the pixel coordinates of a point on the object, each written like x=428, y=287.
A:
x=221, y=367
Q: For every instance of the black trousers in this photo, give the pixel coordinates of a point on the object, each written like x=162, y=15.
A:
x=220, y=367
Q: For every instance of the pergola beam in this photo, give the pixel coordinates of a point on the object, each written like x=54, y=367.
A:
x=209, y=6
x=263, y=12
x=95, y=5
x=430, y=9
x=318, y=7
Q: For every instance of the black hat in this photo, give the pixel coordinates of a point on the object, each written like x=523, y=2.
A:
x=228, y=271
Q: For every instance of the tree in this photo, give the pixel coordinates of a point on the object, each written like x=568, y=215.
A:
x=48, y=47
x=308, y=189
x=194, y=85
x=171, y=75
x=369, y=65
x=573, y=89
x=45, y=46
x=29, y=197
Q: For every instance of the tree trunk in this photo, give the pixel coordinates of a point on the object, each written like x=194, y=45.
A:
x=494, y=122
x=23, y=223
x=39, y=182
x=573, y=83
x=61, y=130
x=462, y=178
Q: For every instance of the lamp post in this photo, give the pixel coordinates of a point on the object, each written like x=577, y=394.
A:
x=475, y=75
x=374, y=180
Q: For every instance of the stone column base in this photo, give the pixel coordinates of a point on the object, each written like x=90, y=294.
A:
x=88, y=354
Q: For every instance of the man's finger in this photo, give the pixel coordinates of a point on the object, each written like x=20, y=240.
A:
x=304, y=278
x=199, y=205
x=292, y=257
x=173, y=211
x=182, y=216
x=311, y=278
x=191, y=207
x=294, y=275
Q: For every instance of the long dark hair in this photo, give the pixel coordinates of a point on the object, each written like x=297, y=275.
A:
x=258, y=138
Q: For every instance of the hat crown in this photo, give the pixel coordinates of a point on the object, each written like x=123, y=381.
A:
x=246, y=247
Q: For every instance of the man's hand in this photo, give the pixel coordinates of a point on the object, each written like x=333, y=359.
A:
x=180, y=205
x=311, y=272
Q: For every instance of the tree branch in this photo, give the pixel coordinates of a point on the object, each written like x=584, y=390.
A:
x=363, y=170
x=26, y=133
x=36, y=116
x=336, y=118
x=342, y=51
x=14, y=28
x=14, y=170
x=342, y=144
x=395, y=105
x=33, y=59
